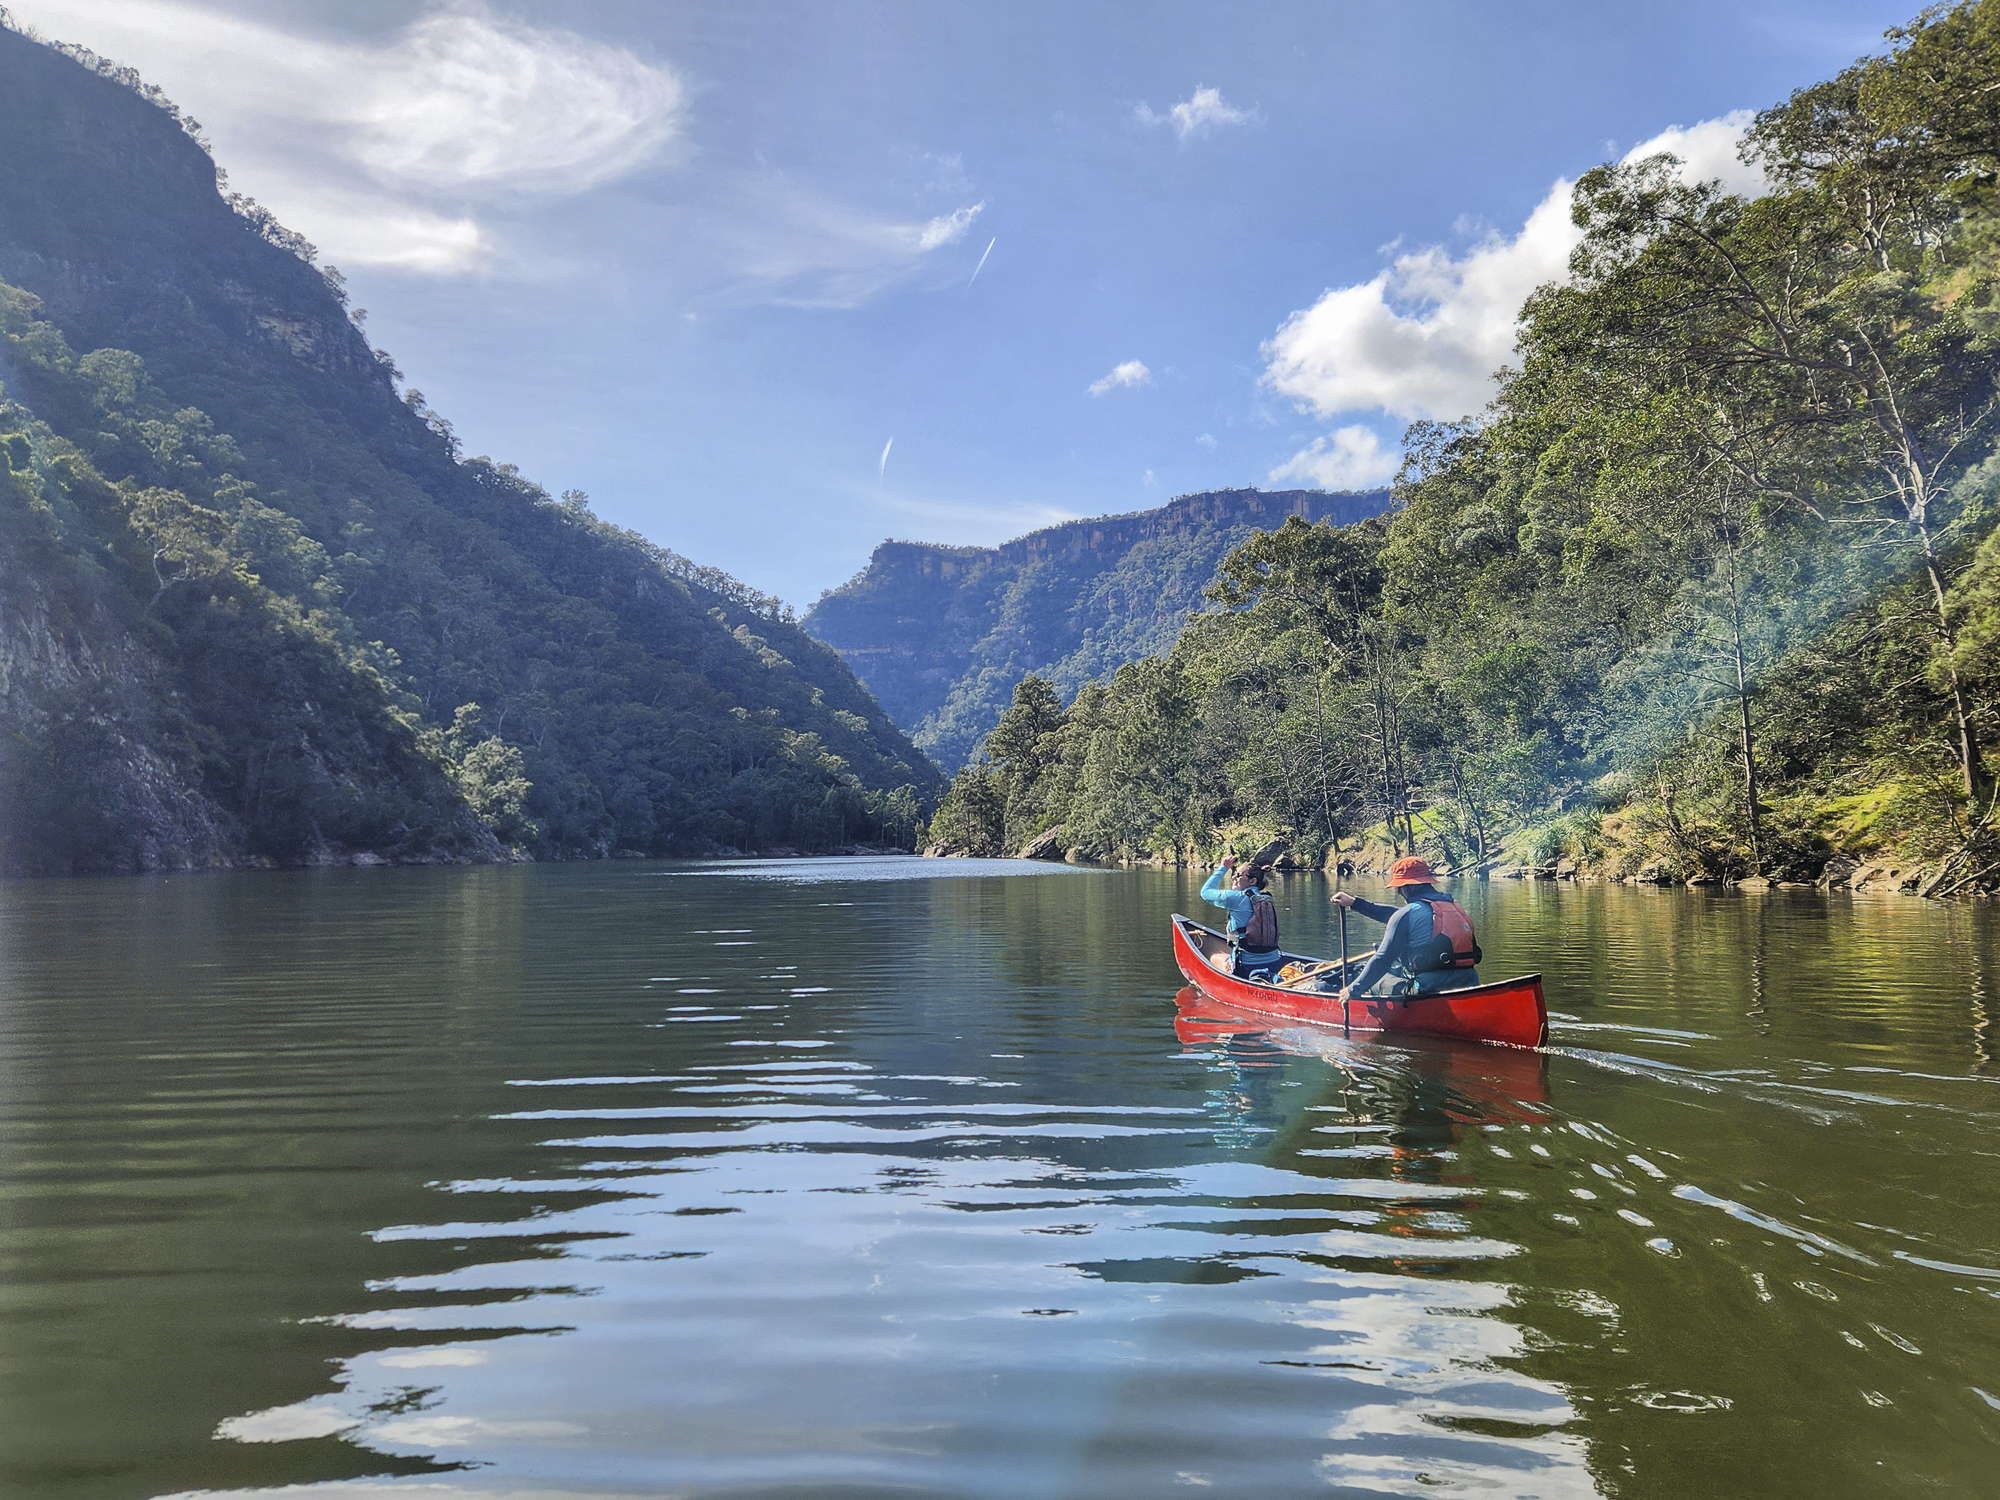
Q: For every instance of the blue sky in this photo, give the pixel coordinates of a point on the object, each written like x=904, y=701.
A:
x=714, y=264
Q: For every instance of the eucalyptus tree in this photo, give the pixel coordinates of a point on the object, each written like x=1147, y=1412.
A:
x=1318, y=590
x=1808, y=357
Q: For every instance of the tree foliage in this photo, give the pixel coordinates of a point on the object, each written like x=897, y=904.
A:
x=1712, y=579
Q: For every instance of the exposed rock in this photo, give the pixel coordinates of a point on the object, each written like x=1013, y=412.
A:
x=1047, y=845
x=1838, y=872
x=367, y=859
x=1878, y=878
x=1654, y=872
x=938, y=633
x=1704, y=880
x=1566, y=869
x=1753, y=883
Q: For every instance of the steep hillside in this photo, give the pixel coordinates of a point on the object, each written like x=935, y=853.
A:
x=159, y=704
x=942, y=634
x=201, y=444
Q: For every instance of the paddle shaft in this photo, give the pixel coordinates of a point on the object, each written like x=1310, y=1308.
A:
x=1343, y=969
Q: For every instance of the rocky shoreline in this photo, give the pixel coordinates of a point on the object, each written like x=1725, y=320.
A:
x=1860, y=876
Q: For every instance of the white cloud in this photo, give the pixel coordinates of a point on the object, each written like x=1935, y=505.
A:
x=1425, y=336
x=440, y=147
x=969, y=523
x=390, y=152
x=1131, y=373
x=947, y=228
x=463, y=100
x=1207, y=440
x=1349, y=458
x=778, y=242
x=1199, y=114
x=359, y=226
x=1708, y=152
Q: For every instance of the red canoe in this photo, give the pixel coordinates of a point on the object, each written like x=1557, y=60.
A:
x=1511, y=1013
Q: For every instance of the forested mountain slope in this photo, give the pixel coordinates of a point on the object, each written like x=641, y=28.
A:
x=942, y=634
x=249, y=587
x=1712, y=590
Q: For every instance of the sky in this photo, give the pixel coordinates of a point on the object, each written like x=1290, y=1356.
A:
x=772, y=282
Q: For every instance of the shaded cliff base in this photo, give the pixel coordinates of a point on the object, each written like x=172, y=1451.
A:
x=92, y=785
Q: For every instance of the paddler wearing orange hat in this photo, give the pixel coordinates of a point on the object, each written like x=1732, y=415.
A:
x=1428, y=945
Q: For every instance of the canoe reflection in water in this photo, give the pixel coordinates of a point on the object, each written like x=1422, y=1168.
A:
x=1416, y=1094
x=1368, y=1181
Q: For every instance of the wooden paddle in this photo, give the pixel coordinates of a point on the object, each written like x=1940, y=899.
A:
x=1343, y=970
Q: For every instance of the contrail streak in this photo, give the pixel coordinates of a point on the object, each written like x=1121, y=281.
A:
x=882, y=468
x=982, y=262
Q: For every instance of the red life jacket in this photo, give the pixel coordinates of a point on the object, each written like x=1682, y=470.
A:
x=1260, y=933
x=1451, y=945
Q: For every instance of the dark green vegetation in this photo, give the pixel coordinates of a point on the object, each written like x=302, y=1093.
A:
x=942, y=634
x=1712, y=586
x=256, y=605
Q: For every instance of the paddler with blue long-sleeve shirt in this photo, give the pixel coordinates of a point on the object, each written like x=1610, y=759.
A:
x=1428, y=945
x=1253, y=917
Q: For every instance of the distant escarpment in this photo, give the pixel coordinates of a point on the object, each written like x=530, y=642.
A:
x=257, y=607
x=942, y=634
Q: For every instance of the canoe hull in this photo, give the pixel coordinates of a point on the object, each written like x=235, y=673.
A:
x=1511, y=1013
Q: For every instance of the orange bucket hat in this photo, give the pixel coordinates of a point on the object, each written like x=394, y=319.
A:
x=1410, y=871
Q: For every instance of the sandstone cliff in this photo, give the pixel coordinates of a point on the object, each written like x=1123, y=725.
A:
x=941, y=634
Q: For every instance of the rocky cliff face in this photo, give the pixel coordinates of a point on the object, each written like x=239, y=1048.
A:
x=115, y=218
x=80, y=775
x=153, y=716
x=942, y=634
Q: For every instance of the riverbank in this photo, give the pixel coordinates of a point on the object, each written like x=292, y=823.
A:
x=1873, y=872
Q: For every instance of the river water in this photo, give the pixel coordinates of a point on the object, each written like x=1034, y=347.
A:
x=855, y=1178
